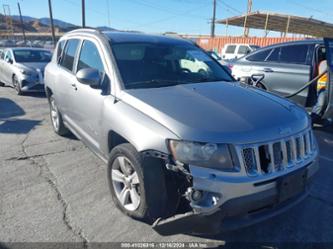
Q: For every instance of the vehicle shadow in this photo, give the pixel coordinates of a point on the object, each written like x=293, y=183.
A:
x=28, y=94
x=9, y=108
x=2, y=246
x=35, y=94
x=9, y=123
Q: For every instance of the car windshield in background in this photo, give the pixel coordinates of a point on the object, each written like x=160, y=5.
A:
x=254, y=47
x=26, y=55
x=148, y=65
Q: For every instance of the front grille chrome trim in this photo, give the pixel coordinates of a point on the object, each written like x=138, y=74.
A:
x=278, y=155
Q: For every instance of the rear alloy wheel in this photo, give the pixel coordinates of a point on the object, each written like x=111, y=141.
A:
x=17, y=85
x=56, y=119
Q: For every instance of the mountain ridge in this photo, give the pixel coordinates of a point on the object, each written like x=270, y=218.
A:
x=33, y=24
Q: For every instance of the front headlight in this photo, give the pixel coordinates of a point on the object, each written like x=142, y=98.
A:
x=210, y=155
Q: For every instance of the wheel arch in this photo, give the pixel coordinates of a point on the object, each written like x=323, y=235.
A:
x=48, y=92
x=115, y=139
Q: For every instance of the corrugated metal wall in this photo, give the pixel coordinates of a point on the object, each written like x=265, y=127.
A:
x=218, y=43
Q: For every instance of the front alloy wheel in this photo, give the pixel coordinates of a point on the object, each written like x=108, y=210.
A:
x=138, y=184
x=126, y=183
x=17, y=85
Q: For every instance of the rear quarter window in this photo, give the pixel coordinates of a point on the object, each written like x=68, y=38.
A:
x=230, y=49
x=295, y=54
x=243, y=50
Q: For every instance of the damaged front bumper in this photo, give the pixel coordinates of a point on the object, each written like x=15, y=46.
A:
x=229, y=203
x=34, y=83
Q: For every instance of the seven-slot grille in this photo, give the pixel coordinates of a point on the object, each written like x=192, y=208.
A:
x=278, y=155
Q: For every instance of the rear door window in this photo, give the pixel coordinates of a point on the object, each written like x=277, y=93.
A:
x=259, y=56
x=67, y=60
x=274, y=56
x=230, y=49
x=295, y=54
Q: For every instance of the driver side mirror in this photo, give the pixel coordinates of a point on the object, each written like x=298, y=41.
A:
x=89, y=76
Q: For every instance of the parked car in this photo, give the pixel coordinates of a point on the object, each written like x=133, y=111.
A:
x=215, y=56
x=49, y=45
x=23, y=68
x=286, y=67
x=235, y=51
x=178, y=141
x=22, y=43
x=7, y=43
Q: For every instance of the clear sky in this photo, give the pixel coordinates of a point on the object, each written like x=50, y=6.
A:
x=157, y=16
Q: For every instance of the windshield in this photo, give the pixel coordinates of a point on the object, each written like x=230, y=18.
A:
x=26, y=55
x=162, y=64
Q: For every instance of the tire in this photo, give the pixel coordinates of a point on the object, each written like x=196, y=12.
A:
x=17, y=85
x=56, y=118
x=260, y=86
x=149, y=184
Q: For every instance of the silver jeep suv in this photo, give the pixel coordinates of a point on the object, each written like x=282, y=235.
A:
x=187, y=146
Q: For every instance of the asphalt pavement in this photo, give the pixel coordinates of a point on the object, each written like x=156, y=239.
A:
x=53, y=189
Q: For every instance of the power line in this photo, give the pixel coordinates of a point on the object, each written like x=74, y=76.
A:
x=167, y=10
x=183, y=14
x=229, y=6
x=311, y=8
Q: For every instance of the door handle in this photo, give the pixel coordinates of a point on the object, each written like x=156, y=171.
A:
x=268, y=70
x=74, y=86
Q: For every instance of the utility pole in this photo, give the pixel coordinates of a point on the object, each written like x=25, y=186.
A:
x=83, y=14
x=9, y=21
x=212, y=30
x=22, y=24
x=51, y=22
x=249, y=9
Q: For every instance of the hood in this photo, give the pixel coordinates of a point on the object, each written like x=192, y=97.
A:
x=33, y=66
x=219, y=112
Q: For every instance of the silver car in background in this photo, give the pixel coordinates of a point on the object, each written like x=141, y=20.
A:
x=23, y=68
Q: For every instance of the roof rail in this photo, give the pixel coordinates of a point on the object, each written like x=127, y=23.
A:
x=85, y=29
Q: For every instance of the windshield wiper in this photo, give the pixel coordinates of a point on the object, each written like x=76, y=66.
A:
x=155, y=83
x=212, y=80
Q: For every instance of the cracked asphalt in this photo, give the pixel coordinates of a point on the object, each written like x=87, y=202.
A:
x=53, y=189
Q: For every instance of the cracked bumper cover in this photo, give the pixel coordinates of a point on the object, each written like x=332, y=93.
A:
x=237, y=212
x=32, y=84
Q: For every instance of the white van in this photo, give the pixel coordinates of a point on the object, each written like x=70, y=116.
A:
x=235, y=51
